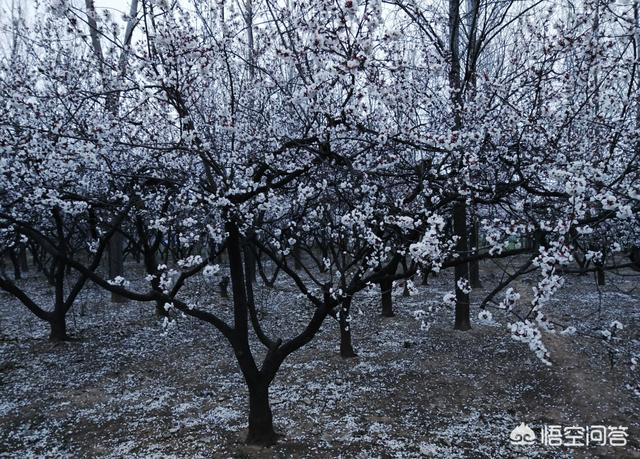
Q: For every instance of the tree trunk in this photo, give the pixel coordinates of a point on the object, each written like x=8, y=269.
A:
x=297, y=255
x=116, y=263
x=474, y=265
x=461, y=272
x=224, y=287
x=58, y=325
x=600, y=276
x=387, y=300
x=634, y=256
x=346, y=346
x=260, y=418
x=251, y=261
x=24, y=261
x=17, y=272
x=539, y=239
x=324, y=251
x=160, y=310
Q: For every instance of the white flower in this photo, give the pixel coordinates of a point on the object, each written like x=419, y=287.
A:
x=353, y=63
x=464, y=285
x=526, y=332
x=119, y=281
x=190, y=261
x=485, y=316
x=210, y=270
x=608, y=201
x=419, y=314
x=93, y=246
x=449, y=299
x=625, y=213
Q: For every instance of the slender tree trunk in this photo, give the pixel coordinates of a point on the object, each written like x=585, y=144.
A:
x=461, y=272
x=160, y=310
x=539, y=239
x=324, y=251
x=387, y=300
x=251, y=261
x=51, y=278
x=474, y=266
x=634, y=256
x=261, y=430
x=24, y=261
x=346, y=346
x=17, y=272
x=116, y=267
x=224, y=287
x=600, y=276
x=297, y=254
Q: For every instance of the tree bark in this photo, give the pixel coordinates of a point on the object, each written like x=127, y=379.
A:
x=387, y=300
x=17, y=272
x=116, y=267
x=474, y=266
x=251, y=261
x=261, y=430
x=425, y=277
x=24, y=261
x=161, y=312
x=346, y=346
x=58, y=324
x=297, y=255
x=224, y=287
x=461, y=272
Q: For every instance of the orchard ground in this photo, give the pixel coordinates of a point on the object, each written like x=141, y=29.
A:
x=129, y=388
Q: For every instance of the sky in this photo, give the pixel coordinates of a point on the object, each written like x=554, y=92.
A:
x=28, y=6
x=117, y=5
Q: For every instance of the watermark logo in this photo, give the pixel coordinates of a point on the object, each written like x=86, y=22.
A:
x=522, y=435
x=571, y=436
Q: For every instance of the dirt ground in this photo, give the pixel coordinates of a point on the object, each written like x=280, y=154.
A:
x=128, y=388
